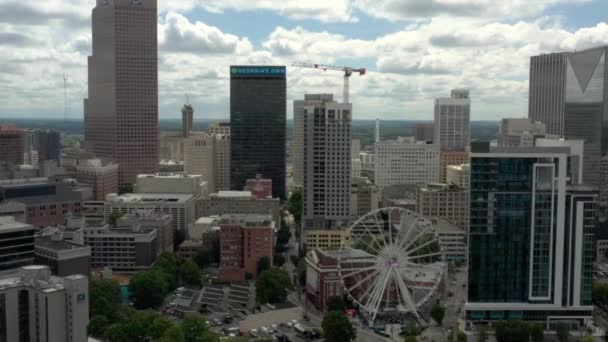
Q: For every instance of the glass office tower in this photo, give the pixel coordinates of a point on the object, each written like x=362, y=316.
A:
x=530, y=236
x=258, y=109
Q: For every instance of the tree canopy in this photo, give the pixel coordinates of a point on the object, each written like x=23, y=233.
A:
x=512, y=331
x=337, y=328
x=437, y=313
x=148, y=289
x=272, y=286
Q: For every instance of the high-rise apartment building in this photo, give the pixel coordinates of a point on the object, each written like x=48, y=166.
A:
x=530, y=236
x=36, y=306
x=520, y=132
x=121, y=112
x=452, y=121
x=547, y=94
x=406, y=163
x=12, y=142
x=258, y=110
x=42, y=145
x=187, y=120
x=327, y=162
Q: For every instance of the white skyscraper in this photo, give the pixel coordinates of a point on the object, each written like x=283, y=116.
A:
x=452, y=121
x=406, y=163
x=326, y=162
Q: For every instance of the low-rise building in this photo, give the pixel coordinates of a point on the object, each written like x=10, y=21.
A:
x=444, y=201
x=244, y=239
x=17, y=242
x=364, y=197
x=259, y=187
x=239, y=202
x=100, y=175
x=327, y=239
x=64, y=258
x=36, y=306
x=163, y=224
x=13, y=209
x=170, y=183
x=452, y=239
x=448, y=158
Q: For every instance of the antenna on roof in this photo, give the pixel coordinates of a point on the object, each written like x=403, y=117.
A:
x=65, y=98
x=187, y=98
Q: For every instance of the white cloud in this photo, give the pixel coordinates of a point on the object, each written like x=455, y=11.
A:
x=488, y=9
x=178, y=34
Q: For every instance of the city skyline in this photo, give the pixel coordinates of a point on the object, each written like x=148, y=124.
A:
x=208, y=38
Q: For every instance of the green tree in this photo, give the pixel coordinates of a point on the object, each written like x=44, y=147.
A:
x=482, y=334
x=98, y=325
x=263, y=264
x=511, y=331
x=195, y=329
x=104, y=296
x=202, y=258
x=337, y=328
x=173, y=334
x=114, y=217
x=537, y=332
x=168, y=264
x=190, y=273
x=294, y=205
x=335, y=304
x=437, y=313
x=461, y=336
x=148, y=289
x=272, y=286
x=302, y=272
x=279, y=260
x=410, y=339
x=563, y=332
x=411, y=329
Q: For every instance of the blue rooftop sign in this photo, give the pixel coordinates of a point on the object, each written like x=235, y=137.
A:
x=257, y=70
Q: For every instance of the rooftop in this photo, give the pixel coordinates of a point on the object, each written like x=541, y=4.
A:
x=175, y=175
x=151, y=198
x=233, y=194
x=34, y=276
x=8, y=223
x=56, y=244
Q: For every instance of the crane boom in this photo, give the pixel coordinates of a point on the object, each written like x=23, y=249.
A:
x=348, y=71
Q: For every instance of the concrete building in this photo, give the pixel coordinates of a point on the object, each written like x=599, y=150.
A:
x=458, y=175
x=17, y=239
x=12, y=142
x=447, y=158
x=444, y=201
x=452, y=121
x=530, y=237
x=327, y=239
x=126, y=250
x=364, y=197
x=258, y=124
x=187, y=120
x=547, y=93
x=121, y=112
x=171, y=147
x=259, y=187
x=327, y=162
x=171, y=166
x=101, y=176
x=452, y=239
x=181, y=207
x=222, y=128
x=174, y=183
x=162, y=223
x=424, y=132
x=368, y=163
x=406, y=163
x=239, y=202
x=355, y=148
x=36, y=306
x=208, y=155
x=15, y=210
x=355, y=168
x=520, y=132
x=244, y=239
x=42, y=145
x=47, y=203
x=64, y=258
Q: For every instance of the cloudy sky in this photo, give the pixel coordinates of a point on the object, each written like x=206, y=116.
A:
x=415, y=50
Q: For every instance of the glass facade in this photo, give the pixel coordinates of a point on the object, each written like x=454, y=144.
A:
x=258, y=109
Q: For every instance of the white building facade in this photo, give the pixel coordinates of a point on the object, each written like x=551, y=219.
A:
x=406, y=163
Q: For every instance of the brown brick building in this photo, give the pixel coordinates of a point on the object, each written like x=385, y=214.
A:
x=12, y=142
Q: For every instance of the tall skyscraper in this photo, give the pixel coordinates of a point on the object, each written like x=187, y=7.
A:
x=12, y=142
x=424, y=132
x=452, y=121
x=530, y=235
x=547, y=95
x=187, y=120
x=520, y=132
x=327, y=164
x=258, y=110
x=121, y=112
x=586, y=111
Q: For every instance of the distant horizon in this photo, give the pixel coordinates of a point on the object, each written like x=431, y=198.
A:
x=223, y=120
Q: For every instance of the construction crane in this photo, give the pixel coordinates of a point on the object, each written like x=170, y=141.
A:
x=348, y=71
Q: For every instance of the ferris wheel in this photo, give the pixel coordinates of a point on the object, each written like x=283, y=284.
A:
x=394, y=263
